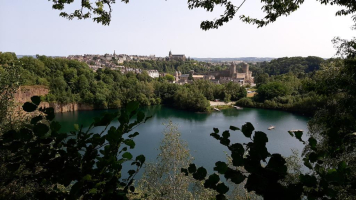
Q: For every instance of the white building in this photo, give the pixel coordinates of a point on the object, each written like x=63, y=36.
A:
x=153, y=73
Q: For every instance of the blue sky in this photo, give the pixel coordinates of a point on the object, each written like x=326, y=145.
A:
x=142, y=27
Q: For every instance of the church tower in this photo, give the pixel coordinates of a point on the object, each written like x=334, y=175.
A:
x=233, y=70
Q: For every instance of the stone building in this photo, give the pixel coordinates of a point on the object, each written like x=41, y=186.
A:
x=245, y=77
x=176, y=56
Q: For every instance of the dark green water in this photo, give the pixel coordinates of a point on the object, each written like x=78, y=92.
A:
x=195, y=128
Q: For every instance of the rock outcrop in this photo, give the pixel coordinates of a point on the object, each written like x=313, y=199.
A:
x=25, y=93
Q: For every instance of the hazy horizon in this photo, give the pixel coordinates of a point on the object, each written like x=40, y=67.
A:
x=146, y=28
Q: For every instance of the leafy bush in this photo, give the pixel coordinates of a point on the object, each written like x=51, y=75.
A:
x=79, y=164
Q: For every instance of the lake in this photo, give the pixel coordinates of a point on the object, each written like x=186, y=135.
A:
x=195, y=129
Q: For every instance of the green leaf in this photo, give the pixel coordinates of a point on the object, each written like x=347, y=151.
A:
x=247, y=129
x=134, y=135
x=26, y=134
x=237, y=148
x=216, y=130
x=141, y=158
x=312, y=143
x=212, y=181
x=130, y=143
x=55, y=126
x=235, y=176
x=307, y=180
x=298, y=135
x=140, y=116
x=237, y=159
x=36, y=119
x=49, y=113
x=307, y=163
x=185, y=171
x=131, y=172
x=260, y=138
x=215, y=135
x=87, y=177
x=131, y=106
x=132, y=188
x=75, y=190
x=29, y=107
x=127, y=155
x=76, y=127
x=105, y=120
x=36, y=100
x=313, y=157
x=200, y=174
x=192, y=168
x=226, y=134
x=221, y=188
x=225, y=141
x=234, y=128
x=277, y=164
x=221, y=167
x=93, y=191
x=342, y=166
x=40, y=129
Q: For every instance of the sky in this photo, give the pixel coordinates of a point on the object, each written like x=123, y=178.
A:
x=154, y=27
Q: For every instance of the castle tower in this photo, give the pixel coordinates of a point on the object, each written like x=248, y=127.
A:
x=170, y=54
x=245, y=68
x=232, y=70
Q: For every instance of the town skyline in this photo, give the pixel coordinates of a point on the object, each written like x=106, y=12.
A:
x=35, y=28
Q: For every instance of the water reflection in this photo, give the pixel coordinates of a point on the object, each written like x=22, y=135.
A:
x=195, y=128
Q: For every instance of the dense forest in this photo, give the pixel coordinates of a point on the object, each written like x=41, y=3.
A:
x=294, y=84
x=73, y=81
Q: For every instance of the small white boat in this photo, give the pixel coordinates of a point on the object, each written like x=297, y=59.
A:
x=271, y=127
x=238, y=108
x=217, y=109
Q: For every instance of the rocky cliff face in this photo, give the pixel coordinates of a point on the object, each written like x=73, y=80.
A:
x=25, y=93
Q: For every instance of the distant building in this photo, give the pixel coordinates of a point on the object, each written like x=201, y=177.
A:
x=176, y=57
x=153, y=73
x=243, y=78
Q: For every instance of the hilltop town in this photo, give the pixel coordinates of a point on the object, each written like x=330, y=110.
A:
x=119, y=62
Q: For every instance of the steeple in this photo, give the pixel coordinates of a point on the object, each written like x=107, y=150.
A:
x=170, y=53
x=114, y=53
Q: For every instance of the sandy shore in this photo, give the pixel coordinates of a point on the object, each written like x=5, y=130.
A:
x=213, y=103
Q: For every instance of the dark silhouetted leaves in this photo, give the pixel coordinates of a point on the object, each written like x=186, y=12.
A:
x=36, y=100
x=40, y=129
x=307, y=180
x=312, y=142
x=234, y=128
x=221, y=188
x=29, y=107
x=127, y=155
x=200, y=174
x=235, y=176
x=212, y=181
x=133, y=135
x=247, y=129
x=36, y=119
x=220, y=167
x=192, y=168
